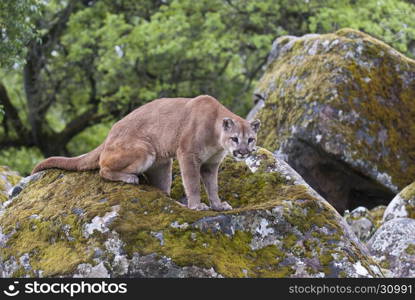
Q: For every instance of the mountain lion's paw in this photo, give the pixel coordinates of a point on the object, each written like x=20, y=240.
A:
x=200, y=206
x=133, y=179
x=221, y=206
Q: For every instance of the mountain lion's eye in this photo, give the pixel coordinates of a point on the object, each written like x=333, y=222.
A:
x=235, y=139
x=250, y=140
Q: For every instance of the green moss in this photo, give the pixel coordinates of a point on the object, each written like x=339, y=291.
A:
x=410, y=249
x=13, y=179
x=227, y=255
x=267, y=160
x=289, y=241
x=342, y=274
x=326, y=259
x=238, y=185
x=385, y=264
x=2, y=184
x=3, y=197
x=51, y=258
x=408, y=192
x=53, y=252
x=377, y=215
x=19, y=273
x=317, y=214
x=378, y=94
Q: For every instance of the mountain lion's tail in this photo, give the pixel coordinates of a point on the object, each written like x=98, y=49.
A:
x=88, y=161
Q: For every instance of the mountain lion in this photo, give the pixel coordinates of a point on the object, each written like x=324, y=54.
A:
x=198, y=131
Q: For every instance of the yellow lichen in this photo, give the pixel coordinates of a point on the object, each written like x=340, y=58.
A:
x=408, y=192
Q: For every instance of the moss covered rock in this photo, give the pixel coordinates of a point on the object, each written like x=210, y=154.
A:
x=402, y=206
x=377, y=215
x=340, y=108
x=365, y=222
x=62, y=223
x=393, y=247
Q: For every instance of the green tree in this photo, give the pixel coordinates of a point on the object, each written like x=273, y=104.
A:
x=97, y=60
x=389, y=20
x=16, y=29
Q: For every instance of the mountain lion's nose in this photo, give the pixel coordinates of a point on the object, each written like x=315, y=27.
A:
x=241, y=152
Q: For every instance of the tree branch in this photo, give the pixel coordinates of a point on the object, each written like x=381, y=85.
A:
x=37, y=56
x=18, y=142
x=77, y=125
x=11, y=113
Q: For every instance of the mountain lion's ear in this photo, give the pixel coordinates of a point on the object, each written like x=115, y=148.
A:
x=255, y=125
x=227, y=123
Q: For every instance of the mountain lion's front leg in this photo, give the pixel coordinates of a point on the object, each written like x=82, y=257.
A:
x=209, y=174
x=190, y=169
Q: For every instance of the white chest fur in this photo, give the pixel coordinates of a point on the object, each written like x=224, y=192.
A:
x=212, y=155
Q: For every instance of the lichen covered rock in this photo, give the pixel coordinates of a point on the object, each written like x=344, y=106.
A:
x=365, y=222
x=393, y=247
x=377, y=215
x=77, y=224
x=8, y=179
x=361, y=222
x=340, y=109
x=403, y=205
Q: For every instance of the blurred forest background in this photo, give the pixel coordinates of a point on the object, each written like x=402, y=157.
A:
x=69, y=69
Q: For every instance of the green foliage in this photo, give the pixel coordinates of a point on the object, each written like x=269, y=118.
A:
x=89, y=139
x=16, y=29
x=21, y=159
x=185, y=48
x=389, y=20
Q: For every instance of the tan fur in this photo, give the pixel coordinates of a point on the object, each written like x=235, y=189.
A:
x=198, y=131
x=88, y=161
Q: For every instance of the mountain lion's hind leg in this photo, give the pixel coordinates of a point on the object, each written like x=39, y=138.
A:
x=160, y=175
x=118, y=176
x=125, y=163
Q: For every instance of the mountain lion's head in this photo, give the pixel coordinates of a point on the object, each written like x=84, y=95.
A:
x=239, y=137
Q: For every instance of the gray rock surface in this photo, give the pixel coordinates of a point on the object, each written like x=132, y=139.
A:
x=393, y=247
x=361, y=222
x=402, y=206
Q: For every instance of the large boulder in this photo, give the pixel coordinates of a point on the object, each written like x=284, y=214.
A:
x=76, y=224
x=402, y=206
x=340, y=109
x=393, y=247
